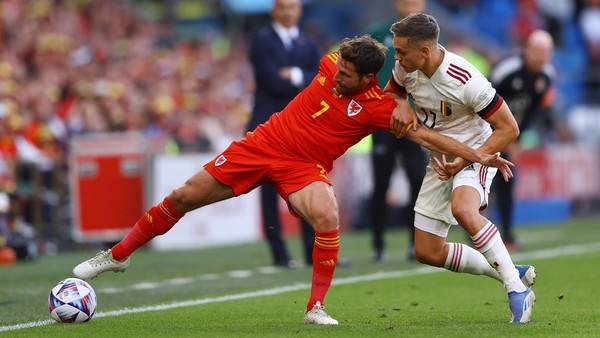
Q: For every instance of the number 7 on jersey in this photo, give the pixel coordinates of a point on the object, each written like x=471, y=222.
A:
x=324, y=109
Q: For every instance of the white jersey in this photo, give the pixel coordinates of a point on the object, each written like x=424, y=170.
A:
x=454, y=101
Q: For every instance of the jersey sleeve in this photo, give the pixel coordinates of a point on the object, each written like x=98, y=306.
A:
x=383, y=113
x=482, y=97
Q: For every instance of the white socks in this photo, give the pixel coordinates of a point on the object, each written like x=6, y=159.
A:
x=490, y=244
x=463, y=258
x=491, y=259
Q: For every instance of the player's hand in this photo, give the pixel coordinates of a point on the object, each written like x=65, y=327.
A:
x=445, y=169
x=499, y=162
x=403, y=118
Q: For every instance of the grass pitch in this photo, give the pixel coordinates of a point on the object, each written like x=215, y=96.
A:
x=232, y=292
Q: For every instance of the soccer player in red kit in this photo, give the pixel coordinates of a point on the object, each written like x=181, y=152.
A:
x=294, y=152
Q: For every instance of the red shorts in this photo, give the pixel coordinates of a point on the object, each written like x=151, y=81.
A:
x=245, y=165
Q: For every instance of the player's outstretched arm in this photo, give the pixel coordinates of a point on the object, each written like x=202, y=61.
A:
x=437, y=142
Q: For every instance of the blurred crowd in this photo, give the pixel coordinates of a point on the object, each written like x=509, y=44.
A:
x=74, y=67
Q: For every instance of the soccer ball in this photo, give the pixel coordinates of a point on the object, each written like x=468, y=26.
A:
x=72, y=301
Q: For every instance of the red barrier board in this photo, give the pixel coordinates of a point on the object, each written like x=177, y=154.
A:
x=565, y=171
x=108, y=178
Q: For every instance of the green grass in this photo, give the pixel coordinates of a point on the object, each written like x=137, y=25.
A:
x=435, y=303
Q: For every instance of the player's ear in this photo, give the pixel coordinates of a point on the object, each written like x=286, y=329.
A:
x=425, y=50
x=368, y=78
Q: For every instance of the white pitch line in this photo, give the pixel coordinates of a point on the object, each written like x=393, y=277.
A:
x=189, y=280
x=541, y=254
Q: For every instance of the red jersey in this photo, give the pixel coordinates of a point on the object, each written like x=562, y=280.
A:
x=319, y=125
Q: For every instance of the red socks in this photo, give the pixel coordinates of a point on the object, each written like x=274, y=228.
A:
x=325, y=256
x=156, y=221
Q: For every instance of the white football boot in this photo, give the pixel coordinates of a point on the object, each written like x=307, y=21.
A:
x=318, y=316
x=98, y=264
x=527, y=273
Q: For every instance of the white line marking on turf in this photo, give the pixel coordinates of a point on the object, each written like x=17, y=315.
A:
x=189, y=280
x=544, y=237
x=239, y=273
x=268, y=270
x=180, y=281
x=26, y=325
x=541, y=254
x=208, y=276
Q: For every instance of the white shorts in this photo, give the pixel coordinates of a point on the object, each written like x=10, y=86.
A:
x=432, y=226
x=435, y=196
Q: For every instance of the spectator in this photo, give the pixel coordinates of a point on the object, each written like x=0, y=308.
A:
x=16, y=234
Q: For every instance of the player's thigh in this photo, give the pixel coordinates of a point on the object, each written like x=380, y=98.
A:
x=316, y=203
x=199, y=190
x=243, y=166
x=466, y=201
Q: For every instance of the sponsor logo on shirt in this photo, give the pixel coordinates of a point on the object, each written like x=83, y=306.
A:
x=483, y=97
x=220, y=160
x=354, y=108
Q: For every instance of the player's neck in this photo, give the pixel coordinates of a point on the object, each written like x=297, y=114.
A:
x=434, y=62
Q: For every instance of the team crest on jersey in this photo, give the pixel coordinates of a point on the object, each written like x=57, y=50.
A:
x=445, y=108
x=220, y=160
x=321, y=80
x=354, y=108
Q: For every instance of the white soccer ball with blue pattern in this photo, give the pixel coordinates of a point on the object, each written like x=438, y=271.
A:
x=72, y=300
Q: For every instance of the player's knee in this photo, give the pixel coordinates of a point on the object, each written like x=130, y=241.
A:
x=463, y=213
x=181, y=199
x=325, y=220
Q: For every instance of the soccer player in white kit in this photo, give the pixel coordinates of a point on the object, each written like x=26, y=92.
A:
x=451, y=96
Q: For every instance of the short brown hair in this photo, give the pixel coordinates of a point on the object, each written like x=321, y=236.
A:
x=418, y=27
x=365, y=53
